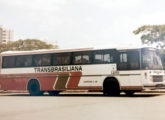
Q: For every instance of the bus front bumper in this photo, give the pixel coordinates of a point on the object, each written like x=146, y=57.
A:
x=154, y=87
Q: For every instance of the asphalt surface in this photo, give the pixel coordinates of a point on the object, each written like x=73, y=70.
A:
x=82, y=106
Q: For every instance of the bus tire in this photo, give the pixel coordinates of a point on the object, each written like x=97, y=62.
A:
x=34, y=88
x=111, y=87
x=53, y=93
x=129, y=93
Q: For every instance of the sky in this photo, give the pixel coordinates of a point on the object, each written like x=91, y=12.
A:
x=81, y=23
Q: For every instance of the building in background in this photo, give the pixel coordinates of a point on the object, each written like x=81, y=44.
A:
x=6, y=35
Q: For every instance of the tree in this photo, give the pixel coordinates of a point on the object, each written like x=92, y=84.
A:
x=152, y=34
x=25, y=45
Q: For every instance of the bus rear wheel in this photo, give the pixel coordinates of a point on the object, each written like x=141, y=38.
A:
x=34, y=88
x=53, y=93
x=111, y=87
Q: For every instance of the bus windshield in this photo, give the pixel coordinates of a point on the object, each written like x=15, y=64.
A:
x=151, y=60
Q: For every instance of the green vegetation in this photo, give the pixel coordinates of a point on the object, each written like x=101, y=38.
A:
x=25, y=45
x=153, y=34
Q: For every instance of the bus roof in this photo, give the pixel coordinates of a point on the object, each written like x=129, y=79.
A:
x=8, y=53
x=43, y=51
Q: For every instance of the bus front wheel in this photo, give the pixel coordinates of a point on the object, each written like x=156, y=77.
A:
x=111, y=87
x=34, y=88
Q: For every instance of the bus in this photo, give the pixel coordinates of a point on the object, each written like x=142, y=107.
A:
x=110, y=71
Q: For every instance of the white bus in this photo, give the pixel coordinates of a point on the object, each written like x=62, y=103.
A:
x=108, y=70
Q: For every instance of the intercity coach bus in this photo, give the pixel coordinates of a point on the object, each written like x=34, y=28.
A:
x=111, y=71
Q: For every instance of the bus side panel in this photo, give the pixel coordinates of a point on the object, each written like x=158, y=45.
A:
x=61, y=81
x=13, y=83
x=130, y=80
x=47, y=82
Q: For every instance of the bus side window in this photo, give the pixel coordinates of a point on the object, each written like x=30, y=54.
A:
x=77, y=58
x=8, y=61
x=62, y=59
x=24, y=61
x=81, y=58
x=134, y=62
x=42, y=60
x=123, y=59
x=85, y=59
x=98, y=57
x=108, y=57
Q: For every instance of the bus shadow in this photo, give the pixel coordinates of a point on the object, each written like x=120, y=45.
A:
x=138, y=95
x=101, y=95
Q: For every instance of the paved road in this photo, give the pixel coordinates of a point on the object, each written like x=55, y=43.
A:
x=82, y=107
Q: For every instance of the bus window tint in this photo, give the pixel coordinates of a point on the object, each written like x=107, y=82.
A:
x=98, y=58
x=103, y=57
x=42, y=60
x=123, y=58
x=61, y=59
x=81, y=58
x=8, y=61
x=134, y=60
x=85, y=59
x=129, y=60
x=123, y=65
x=77, y=59
x=108, y=58
x=24, y=61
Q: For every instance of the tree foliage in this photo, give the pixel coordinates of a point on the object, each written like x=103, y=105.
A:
x=25, y=45
x=152, y=34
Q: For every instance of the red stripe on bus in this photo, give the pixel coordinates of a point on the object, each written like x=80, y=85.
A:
x=46, y=80
x=74, y=80
x=91, y=87
x=14, y=83
x=131, y=87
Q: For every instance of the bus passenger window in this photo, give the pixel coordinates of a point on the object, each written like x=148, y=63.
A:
x=98, y=58
x=81, y=58
x=61, y=59
x=65, y=60
x=108, y=58
x=24, y=61
x=42, y=60
x=77, y=59
x=123, y=57
x=123, y=65
x=134, y=61
x=85, y=59
x=8, y=61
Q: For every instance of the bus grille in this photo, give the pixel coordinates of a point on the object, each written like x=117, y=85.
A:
x=157, y=78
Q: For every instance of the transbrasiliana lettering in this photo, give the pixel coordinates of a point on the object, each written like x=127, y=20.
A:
x=58, y=69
